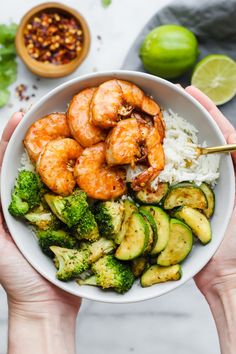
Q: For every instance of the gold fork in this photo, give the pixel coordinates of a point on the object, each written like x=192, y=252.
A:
x=215, y=149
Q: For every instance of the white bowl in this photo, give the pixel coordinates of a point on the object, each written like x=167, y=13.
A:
x=168, y=96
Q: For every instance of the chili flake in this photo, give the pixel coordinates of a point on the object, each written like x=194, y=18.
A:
x=21, y=92
x=53, y=38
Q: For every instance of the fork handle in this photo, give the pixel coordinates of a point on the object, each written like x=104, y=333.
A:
x=218, y=149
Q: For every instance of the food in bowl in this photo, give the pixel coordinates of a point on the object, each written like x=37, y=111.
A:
x=99, y=197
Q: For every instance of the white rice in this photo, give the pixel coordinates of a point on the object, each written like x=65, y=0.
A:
x=181, y=163
x=26, y=163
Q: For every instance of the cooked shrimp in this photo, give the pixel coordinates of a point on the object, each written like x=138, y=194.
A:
x=55, y=165
x=78, y=116
x=48, y=128
x=115, y=99
x=135, y=140
x=157, y=121
x=160, y=125
x=155, y=157
x=135, y=97
x=123, y=143
x=95, y=177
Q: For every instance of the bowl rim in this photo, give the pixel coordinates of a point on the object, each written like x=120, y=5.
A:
x=115, y=74
x=47, y=69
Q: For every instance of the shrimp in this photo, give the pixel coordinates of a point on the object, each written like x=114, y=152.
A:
x=115, y=99
x=135, y=140
x=155, y=157
x=157, y=120
x=48, y=128
x=160, y=125
x=96, y=178
x=123, y=143
x=55, y=165
x=78, y=117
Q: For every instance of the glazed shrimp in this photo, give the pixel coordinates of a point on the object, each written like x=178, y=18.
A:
x=135, y=140
x=160, y=125
x=78, y=117
x=157, y=121
x=123, y=143
x=155, y=157
x=115, y=99
x=55, y=165
x=48, y=128
x=95, y=177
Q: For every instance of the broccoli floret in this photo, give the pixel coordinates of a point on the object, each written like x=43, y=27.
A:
x=69, y=210
x=109, y=217
x=87, y=228
x=61, y=238
x=98, y=248
x=26, y=193
x=90, y=280
x=70, y=262
x=43, y=218
x=110, y=273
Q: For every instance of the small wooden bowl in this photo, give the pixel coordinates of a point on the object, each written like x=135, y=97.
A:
x=48, y=69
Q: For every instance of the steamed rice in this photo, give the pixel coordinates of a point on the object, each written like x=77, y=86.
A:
x=26, y=163
x=181, y=163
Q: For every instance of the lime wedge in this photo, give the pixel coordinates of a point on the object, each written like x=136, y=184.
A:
x=215, y=75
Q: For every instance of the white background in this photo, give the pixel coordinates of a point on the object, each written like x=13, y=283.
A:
x=178, y=323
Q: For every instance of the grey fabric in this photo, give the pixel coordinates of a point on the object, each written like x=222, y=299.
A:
x=214, y=24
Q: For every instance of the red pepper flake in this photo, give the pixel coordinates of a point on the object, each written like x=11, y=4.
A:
x=53, y=38
x=20, y=92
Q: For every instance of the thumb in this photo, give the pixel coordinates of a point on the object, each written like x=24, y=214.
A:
x=232, y=140
x=8, y=131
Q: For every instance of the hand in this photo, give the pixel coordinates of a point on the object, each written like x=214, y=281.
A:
x=30, y=296
x=220, y=273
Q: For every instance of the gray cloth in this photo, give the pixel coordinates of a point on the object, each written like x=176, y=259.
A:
x=214, y=24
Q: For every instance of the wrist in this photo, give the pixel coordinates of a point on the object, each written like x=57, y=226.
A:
x=44, y=328
x=219, y=287
x=43, y=309
x=222, y=302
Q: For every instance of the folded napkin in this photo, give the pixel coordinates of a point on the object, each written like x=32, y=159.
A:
x=214, y=24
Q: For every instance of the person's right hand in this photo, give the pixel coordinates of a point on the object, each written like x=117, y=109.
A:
x=220, y=273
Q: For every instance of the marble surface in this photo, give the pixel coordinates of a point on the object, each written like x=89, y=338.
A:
x=179, y=322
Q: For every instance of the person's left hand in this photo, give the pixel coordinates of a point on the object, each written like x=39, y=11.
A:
x=25, y=288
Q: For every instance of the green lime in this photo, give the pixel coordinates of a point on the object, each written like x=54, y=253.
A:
x=215, y=75
x=169, y=51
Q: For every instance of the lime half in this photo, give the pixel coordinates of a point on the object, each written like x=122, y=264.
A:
x=215, y=75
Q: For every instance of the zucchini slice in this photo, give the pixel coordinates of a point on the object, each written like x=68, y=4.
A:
x=185, y=194
x=179, y=244
x=198, y=223
x=138, y=266
x=156, y=274
x=153, y=231
x=129, y=209
x=150, y=239
x=210, y=196
x=136, y=239
x=149, y=196
x=162, y=225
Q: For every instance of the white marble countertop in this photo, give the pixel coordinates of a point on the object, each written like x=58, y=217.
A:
x=179, y=322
